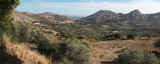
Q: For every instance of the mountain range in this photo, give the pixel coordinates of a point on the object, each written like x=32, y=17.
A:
x=107, y=15
x=99, y=17
x=47, y=16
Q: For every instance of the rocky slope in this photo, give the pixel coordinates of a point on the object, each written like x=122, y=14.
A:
x=106, y=15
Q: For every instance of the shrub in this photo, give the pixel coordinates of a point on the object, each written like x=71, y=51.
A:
x=15, y=32
x=37, y=36
x=150, y=58
x=157, y=53
x=114, y=36
x=80, y=37
x=136, y=56
x=24, y=32
x=131, y=57
x=76, y=52
x=118, y=36
x=57, y=52
x=66, y=35
x=45, y=47
x=157, y=44
x=51, y=50
x=131, y=36
x=70, y=51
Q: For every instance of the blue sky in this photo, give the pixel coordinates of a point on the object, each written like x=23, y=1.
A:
x=88, y=7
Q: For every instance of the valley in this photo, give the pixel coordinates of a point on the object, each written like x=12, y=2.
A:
x=104, y=37
x=102, y=49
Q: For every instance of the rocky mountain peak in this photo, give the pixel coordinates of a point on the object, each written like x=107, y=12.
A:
x=135, y=12
x=106, y=15
x=105, y=11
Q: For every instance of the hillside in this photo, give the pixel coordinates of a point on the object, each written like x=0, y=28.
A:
x=47, y=16
x=19, y=54
x=105, y=37
x=106, y=15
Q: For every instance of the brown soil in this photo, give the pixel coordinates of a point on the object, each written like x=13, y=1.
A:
x=104, y=52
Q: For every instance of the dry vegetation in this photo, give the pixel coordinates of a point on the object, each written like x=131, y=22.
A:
x=23, y=53
x=106, y=51
x=59, y=37
x=101, y=51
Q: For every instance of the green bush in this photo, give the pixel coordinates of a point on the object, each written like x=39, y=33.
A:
x=136, y=56
x=57, y=52
x=19, y=32
x=131, y=36
x=24, y=32
x=45, y=47
x=80, y=37
x=66, y=35
x=37, y=36
x=69, y=51
x=15, y=32
x=118, y=36
x=76, y=52
x=150, y=58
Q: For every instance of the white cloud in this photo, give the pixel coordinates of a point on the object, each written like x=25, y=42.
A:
x=88, y=8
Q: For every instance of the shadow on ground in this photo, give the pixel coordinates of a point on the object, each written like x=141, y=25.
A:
x=5, y=58
x=156, y=53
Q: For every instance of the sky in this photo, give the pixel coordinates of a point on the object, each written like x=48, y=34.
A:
x=88, y=7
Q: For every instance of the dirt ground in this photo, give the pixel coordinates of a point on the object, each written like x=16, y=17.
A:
x=104, y=52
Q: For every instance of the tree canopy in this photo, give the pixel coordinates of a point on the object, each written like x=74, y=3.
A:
x=6, y=9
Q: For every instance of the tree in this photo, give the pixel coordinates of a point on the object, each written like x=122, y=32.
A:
x=6, y=9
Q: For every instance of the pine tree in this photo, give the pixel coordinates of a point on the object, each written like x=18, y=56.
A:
x=6, y=9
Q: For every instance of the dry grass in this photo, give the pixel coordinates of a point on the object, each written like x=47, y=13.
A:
x=6, y=41
x=111, y=49
x=26, y=55
x=23, y=53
